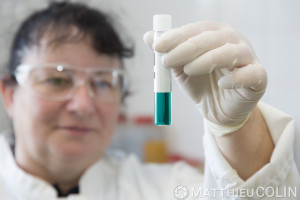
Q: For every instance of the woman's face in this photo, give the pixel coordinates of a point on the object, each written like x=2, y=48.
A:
x=76, y=129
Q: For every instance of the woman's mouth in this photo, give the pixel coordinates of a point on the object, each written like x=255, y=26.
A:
x=77, y=130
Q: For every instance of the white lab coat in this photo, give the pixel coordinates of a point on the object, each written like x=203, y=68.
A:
x=114, y=178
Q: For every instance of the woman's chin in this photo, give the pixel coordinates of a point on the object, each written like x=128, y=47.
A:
x=74, y=152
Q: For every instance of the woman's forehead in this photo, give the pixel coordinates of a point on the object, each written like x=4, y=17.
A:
x=77, y=53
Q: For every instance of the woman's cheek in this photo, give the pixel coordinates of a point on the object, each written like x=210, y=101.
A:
x=110, y=113
x=47, y=112
x=33, y=120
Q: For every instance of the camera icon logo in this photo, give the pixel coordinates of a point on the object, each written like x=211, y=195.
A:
x=181, y=192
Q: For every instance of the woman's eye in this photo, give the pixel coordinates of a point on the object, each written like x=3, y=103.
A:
x=57, y=81
x=103, y=84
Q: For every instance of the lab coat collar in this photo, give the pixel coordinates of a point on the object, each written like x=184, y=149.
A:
x=23, y=184
x=26, y=186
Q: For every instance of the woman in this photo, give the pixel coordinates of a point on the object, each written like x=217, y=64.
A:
x=64, y=89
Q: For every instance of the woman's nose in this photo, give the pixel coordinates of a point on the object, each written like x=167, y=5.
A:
x=82, y=101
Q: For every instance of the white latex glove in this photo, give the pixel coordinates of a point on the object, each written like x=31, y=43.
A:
x=217, y=67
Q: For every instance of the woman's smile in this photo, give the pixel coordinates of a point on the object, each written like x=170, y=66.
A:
x=77, y=130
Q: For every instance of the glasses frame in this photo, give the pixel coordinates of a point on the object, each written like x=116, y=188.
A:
x=24, y=69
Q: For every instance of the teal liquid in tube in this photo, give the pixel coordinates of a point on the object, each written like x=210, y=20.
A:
x=162, y=76
x=162, y=108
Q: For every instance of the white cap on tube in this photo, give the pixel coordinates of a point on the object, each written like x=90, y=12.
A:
x=162, y=22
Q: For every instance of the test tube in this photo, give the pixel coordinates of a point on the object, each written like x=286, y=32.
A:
x=162, y=75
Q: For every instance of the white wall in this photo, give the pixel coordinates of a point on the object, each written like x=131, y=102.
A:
x=272, y=26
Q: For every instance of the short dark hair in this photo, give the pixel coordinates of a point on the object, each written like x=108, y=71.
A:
x=59, y=18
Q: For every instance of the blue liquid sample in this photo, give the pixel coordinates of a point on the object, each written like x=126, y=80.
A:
x=162, y=110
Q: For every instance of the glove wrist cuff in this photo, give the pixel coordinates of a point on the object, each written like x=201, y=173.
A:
x=220, y=130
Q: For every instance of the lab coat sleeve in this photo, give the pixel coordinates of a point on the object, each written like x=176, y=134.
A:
x=278, y=179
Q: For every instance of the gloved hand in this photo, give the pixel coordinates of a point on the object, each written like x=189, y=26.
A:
x=217, y=67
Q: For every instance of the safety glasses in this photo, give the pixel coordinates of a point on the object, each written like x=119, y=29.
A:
x=59, y=82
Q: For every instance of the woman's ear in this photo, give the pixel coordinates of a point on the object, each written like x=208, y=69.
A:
x=7, y=89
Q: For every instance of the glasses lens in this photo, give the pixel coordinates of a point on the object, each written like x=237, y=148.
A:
x=107, y=86
x=51, y=82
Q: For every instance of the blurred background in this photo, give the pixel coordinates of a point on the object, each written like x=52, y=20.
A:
x=272, y=26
